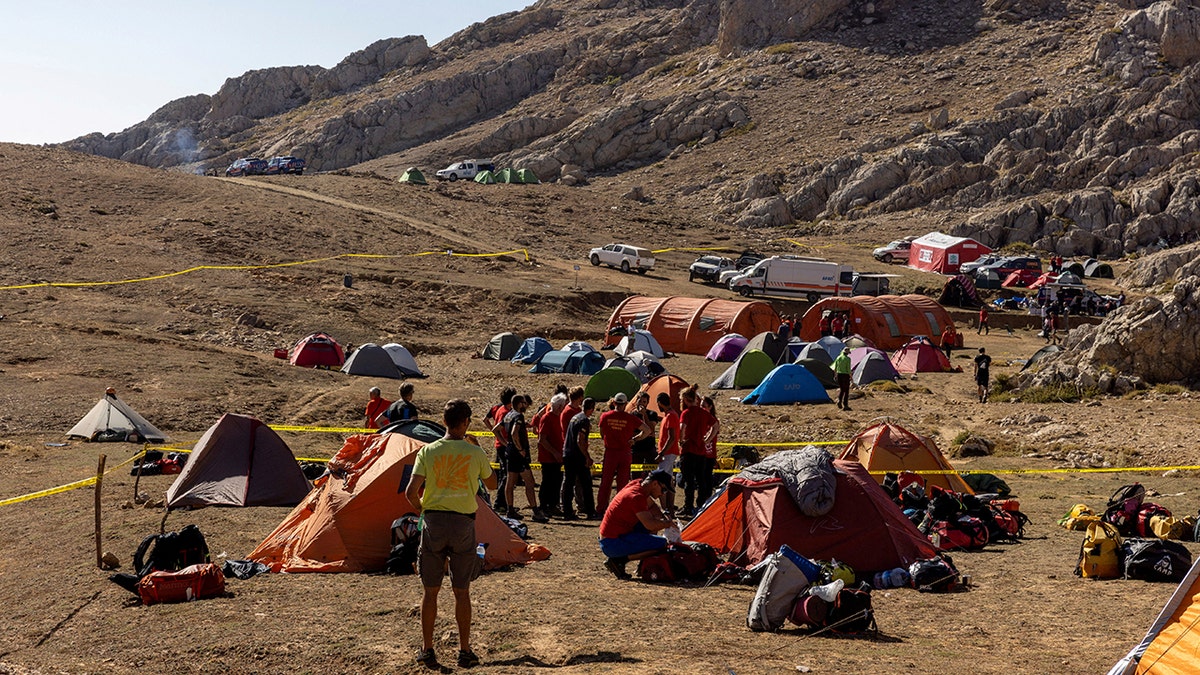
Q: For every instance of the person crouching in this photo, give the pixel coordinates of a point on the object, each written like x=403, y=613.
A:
x=628, y=530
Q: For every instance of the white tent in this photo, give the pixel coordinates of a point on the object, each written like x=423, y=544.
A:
x=640, y=341
x=404, y=360
x=577, y=346
x=112, y=419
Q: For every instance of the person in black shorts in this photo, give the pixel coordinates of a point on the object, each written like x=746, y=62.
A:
x=983, y=367
x=577, y=464
x=516, y=454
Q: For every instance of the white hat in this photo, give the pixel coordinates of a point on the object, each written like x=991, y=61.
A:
x=621, y=398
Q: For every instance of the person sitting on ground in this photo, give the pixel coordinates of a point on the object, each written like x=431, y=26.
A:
x=376, y=406
x=983, y=364
x=948, y=340
x=404, y=409
x=628, y=531
x=517, y=459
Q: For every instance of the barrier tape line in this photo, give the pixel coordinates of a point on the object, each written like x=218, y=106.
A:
x=294, y=263
x=701, y=250
x=69, y=486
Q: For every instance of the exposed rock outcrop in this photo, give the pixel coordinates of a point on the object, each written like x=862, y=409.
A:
x=1164, y=267
x=369, y=64
x=754, y=23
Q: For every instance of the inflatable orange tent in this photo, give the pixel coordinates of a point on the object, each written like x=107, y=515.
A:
x=888, y=321
x=691, y=325
x=889, y=447
x=345, y=524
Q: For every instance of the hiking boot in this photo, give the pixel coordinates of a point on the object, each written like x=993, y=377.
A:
x=467, y=658
x=427, y=658
x=540, y=516
x=514, y=514
x=617, y=567
x=569, y=515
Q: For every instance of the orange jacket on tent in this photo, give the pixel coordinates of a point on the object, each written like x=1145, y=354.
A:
x=920, y=356
x=890, y=447
x=691, y=325
x=345, y=524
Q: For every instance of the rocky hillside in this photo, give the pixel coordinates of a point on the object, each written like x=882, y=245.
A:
x=1071, y=125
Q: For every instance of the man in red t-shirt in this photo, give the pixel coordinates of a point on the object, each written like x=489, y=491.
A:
x=618, y=431
x=695, y=424
x=548, y=427
x=668, y=443
x=627, y=531
x=375, y=405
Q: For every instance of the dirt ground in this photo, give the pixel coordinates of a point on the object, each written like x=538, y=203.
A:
x=183, y=350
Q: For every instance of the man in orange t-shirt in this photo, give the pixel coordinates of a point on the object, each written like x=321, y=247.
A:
x=375, y=405
x=618, y=431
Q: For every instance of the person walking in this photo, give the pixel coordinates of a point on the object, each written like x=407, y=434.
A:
x=577, y=464
x=445, y=478
x=983, y=366
x=548, y=427
x=495, y=424
x=618, y=432
x=841, y=369
x=983, y=321
x=376, y=404
x=668, y=443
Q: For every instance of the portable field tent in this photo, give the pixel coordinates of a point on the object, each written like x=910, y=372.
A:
x=691, y=325
x=788, y=383
x=832, y=346
x=888, y=320
x=858, y=355
x=747, y=371
x=344, y=525
x=942, y=253
x=815, y=352
x=426, y=431
x=889, y=447
x=531, y=350
x=1097, y=270
x=875, y=366
x=527, y=177
x=920, y=356
x=819, y=370
x=502, y=347
x=855, y=341
x=578, y=362
x=959, y=291
x=1041, y=354
x=505, y=176
x=239, y=461
x=728, y=348
x=771, y=344
x=1171, y=645
x=577, y=345
x=663, y=384
x=750, y=519
x=640, y=341
x=403, y=359
x=412, y=175
x=371, y=360
x=485, y=177
x=111, y=419
x=317, y=351
x=794, y=346
x=607, y=382
x=641, y=365
x=1076, y=268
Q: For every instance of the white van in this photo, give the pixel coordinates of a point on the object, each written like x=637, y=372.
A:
x=465, y=169
x=789, y=275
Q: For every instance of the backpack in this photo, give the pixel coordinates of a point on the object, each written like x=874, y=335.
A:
x=1078, y=518
x=1155, y=560
x=1123, y=507
x=966, y=533
x=171, y=551
x=782, y=582
x=1145, y=514
x=986, y=483
x=850, y=612
x=1100, y=553
x=936, y=575
x=689, y=561
x=1006, y=525
x=194, y=582
x=406, y=538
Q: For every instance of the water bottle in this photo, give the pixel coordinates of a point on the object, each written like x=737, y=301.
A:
x=480, y=550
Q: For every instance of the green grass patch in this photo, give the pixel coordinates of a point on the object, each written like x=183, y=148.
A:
x=1169, y=389
x=741, y=129
x=612, y=80
x=1054, y=393
x=961, y=437
x=781, y=48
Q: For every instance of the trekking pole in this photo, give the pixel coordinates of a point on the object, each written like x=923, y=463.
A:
x=861, y=614
x=99, y=485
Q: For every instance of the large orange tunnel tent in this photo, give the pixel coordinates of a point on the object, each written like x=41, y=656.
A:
x=889, y=321
x=692, y=325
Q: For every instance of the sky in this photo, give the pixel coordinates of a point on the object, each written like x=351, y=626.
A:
x=71, y=67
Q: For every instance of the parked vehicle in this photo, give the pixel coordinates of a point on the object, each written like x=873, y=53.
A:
x=872, y=284
x=896, y=251
x=1006, y=266
x=288, y=164
x=465, y=169
x=708, y=268
x=743, y=263
x=787, y=275
x=246, y=166
x=624, y=256
x=982, y=261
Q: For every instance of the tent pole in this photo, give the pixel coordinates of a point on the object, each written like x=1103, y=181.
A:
x=138, y=477
x=99, y=485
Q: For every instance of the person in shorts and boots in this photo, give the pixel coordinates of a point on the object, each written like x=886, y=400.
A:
x=517, y=459
x=449, y=469
x=983, y=366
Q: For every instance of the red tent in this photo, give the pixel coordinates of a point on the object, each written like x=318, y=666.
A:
x=941, y=253
x=317, y=350
x=919, y=355
x=865, y=529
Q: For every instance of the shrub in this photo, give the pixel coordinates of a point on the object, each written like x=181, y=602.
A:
x=961, y=437
x=782, y=48
x=1169, y=389
x=612, y=81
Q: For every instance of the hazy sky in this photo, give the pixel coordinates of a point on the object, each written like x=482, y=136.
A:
x=71, y=67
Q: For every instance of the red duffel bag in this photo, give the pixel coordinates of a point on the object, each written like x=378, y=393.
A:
x=190, y=583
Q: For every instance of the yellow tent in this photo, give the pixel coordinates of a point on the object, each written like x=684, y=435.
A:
x=887, y=446
x=1172, y=645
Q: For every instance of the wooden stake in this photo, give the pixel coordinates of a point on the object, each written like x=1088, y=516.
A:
x=138, y=478
x=99, y=485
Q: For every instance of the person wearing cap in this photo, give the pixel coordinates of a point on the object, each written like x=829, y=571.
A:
x=841, y=369
x=376, y=405
x=633, y=519
x=618, y=431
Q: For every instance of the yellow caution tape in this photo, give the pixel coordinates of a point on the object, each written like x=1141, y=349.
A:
x=69, y=486
x=712, y=248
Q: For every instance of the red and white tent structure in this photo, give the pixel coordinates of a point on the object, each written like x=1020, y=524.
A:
x=941, y=253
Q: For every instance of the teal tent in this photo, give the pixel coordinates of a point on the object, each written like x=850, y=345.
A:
x=789, y=383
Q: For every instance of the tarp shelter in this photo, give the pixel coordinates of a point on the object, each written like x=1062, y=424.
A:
x=317, y=351
x=815, y=352
x=747, y=371
x=920, y=356
x=771, y=344
x=578, y=362
x=1171, y=645
x=889, y=447
x=502, y=347
x=113, y=419
x=831, y=345
x=727, y=348
x=371, y=360
x=875, y=366
x=485, y=177
x=888, y=320
x=692, y=325
x=643, y=366
x=959, y=291
x=942, y=253
x=750, y=519
x=1041, y=354
x=609, y=381
x=821, y=371
x=403, y=359
x=531, y=350
x=345, y=525
x=640, y=341
x=239, y=461
x=527, y=176
x=412, y=175
x=788, y=383
x=506, y=176
x=577, y=345
x=1097, y=270
x=663, y=384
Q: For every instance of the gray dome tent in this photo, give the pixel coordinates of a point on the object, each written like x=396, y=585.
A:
x=769, y=343
x=815, y=351
x=502, y=347
x=371, y=360
x=873, y=367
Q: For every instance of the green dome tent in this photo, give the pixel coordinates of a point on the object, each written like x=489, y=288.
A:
x=747, y=371
x=506, y=176
x=527, y=176
x=502, y=347
x=413, y=175
x=609, y=381
x=485, y=178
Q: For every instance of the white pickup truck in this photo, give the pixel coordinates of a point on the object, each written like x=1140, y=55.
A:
x=628, y=258
x=465, y=169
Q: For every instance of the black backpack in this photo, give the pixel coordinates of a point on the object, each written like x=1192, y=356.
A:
x=935, y=575
x=405, y=541
x=851, y=611
x=1155, y=560
x=172, y=551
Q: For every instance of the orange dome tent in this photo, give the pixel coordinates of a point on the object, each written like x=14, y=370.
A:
x=663, y=384
x=888, y=321
x=691, y=325
x=887, y=446
x=344, y=525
